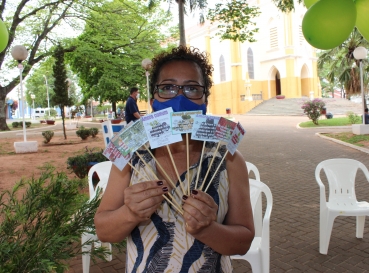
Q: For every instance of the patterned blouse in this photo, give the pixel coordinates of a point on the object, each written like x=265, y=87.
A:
x=161, y=244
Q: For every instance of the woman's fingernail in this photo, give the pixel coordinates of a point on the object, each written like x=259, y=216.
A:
x=194, y=192
x=165, y=189
x=184, y=197
x=160, y=183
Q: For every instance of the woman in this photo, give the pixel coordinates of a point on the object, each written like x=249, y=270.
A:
x=214, y=224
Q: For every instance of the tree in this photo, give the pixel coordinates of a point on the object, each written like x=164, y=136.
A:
x=36, y=84
x=35, y=26
x=234, y=19
x=107, y=58
x=193, y=5
x=229, y=18
x=60, y=97
x=342, y=68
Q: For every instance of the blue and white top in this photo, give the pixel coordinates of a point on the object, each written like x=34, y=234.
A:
x=161, y=244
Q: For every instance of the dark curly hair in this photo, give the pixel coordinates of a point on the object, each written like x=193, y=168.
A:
x=183, y=53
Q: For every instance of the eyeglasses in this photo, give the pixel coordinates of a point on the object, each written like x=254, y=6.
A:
x=169, y=91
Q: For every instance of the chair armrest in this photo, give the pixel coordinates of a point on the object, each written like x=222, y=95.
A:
x=323, y=199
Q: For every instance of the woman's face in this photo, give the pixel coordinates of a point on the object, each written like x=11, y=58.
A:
x=180, y=73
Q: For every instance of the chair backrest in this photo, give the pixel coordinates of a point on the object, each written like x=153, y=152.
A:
x=252, y=168
x=109, y=130
x=341, y=174
x=256, y=189
x=103, y=170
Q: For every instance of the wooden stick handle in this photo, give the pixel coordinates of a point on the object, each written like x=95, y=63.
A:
x=209, y=167
x=216, y=170
x=188, y=166
x=175, y=168
x=199, y=168
x=164, y=172
x=154, y=175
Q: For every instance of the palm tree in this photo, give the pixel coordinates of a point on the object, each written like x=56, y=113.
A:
x=343, y=67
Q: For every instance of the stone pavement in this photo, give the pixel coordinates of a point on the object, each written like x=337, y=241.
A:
x=286, y=157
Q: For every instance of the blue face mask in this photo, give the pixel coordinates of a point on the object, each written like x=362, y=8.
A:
x=179, y=103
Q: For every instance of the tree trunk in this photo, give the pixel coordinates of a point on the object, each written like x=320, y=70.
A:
x=182, y=39
x=63, y=119
x=3, y=109
x=114, y=108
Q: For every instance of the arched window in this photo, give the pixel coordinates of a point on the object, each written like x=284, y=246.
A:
x=222, y=69
x=250, y=63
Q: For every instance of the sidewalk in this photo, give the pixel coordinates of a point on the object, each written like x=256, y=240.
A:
x=286, y=157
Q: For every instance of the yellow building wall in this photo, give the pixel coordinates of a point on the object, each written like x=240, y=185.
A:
x=305, y=87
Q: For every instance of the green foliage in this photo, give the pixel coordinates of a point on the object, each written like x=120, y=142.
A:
x=83, y=132
x=93, y=132
x=42, y=221
x=80, y=164
x=341, y=121
x=234, y=18
x=17, y=124
x=338, y=68
x=285, y=5
x=313, y=109
x=353, y=118
x=116, y=38
x=61, y=96
x=349, y=137
x=48, y=135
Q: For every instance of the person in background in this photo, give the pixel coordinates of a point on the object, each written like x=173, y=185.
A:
x=214, y=224
x=366, y=116
x=131, y=112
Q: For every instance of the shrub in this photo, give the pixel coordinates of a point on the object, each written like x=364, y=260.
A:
x=48, y=135
x=28, y=124
x=313, y=109
x=83, y=133
x=353, y=118
x=94, y=131
x=15, y=124
x=42, y=221
x=80, y=164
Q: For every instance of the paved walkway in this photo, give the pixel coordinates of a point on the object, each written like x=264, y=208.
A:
x=286, y=157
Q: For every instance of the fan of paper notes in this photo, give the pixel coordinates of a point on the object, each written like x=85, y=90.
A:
x=165, y=127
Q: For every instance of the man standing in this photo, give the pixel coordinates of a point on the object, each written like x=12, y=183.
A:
x=131, y=112
x=366, y=116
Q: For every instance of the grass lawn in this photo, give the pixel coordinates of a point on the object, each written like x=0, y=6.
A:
x=342, y=121
x=349, y=137
x=358, y=140
x=33, y=125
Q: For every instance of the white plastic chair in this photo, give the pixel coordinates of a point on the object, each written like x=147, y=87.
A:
x=259, y=253
x=102, y=169
x=341, y=173
x=252, y=168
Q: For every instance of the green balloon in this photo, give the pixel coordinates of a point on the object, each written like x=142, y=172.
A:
x=362, y=22
x=4, y=36
x=309, y=3
x=328, y=23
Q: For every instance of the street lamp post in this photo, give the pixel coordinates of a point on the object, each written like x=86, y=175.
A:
x=146, y=64
x=19, y=54
x=33, y=104
x=360, y=53
x=47, y=92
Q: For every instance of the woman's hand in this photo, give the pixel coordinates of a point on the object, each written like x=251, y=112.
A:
x=200, y=211
x=144, y=198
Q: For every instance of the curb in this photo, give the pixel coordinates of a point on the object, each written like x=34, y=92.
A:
x=365, y=150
